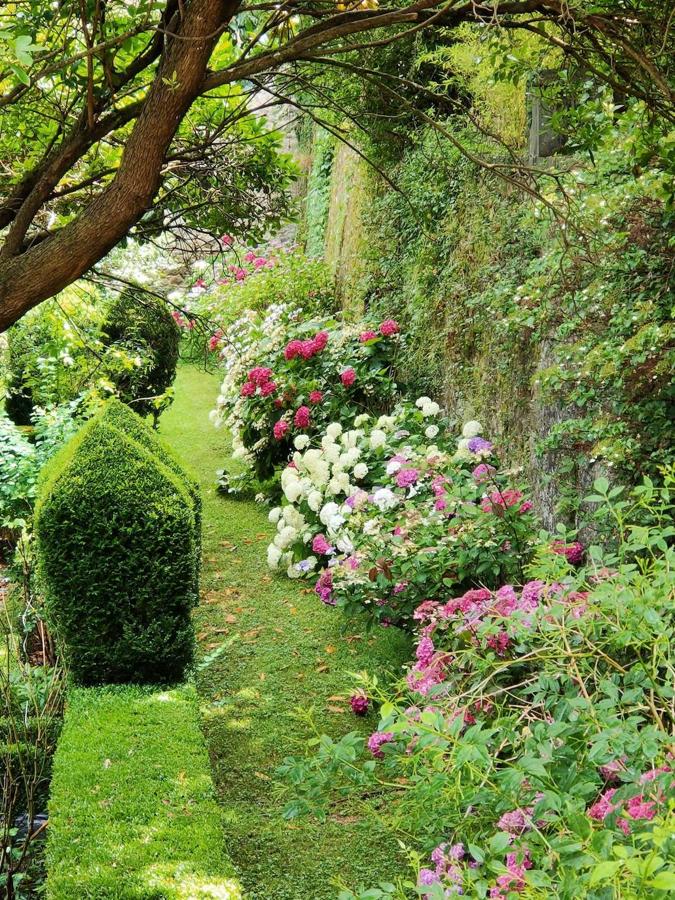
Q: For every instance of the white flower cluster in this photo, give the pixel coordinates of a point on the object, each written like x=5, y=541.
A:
x=319, y=481
x=472, y=429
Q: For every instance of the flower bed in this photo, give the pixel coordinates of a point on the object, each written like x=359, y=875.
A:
x=287, y=379
x=528, y=749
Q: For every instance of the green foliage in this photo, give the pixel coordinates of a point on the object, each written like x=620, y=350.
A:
x=21, y=459
x=143, y=329
x=318, y=192
x=132, y=810
x=117, y=554
x=549, y=760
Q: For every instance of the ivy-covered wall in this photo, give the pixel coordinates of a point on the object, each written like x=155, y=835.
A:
x=504, y=323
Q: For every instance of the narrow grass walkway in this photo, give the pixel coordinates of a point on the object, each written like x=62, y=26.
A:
x=290, y=652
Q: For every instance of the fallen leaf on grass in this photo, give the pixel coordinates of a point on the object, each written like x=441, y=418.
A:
x=231, y=619
x=330, y=648
x=262, y=776
x=336, y=698
x=336, y=709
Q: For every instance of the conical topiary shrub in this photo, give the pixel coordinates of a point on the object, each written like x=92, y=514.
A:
x=117, y=554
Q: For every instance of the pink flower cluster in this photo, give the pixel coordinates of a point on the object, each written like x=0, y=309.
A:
x=215, y=339
x=324, y=588
x=302, y=417
x=573, y=553
x=643, y=806
x=181, y=320
x=376, y=740
x=517, y=864
x=497, y=501
x=359, y=703
x=258, y=382
x=306, y=349
x=321, y=545
x=348, y=377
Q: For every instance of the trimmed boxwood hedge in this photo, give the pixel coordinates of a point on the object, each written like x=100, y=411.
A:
x=120, y=416
x=117, y=553
x=132, y=814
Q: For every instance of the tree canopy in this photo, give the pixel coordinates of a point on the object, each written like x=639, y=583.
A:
x=116, y=115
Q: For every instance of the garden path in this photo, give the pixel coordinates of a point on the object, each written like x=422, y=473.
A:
x=288, y=652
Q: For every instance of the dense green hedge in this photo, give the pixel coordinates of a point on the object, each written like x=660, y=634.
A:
x=139, y=324
x=120, y=416
x=118, y=555
x=132, y=814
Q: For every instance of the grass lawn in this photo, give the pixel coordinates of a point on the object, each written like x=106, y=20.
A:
x=290, y=651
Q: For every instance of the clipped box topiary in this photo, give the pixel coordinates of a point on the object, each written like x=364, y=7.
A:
x=119, y=415
x=117, y=553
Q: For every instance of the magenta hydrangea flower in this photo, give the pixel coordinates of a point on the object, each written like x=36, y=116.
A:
x=324, y=588
x=359, y=703
x=302, y=417
x=315, y=397
x=407, y=477
x=247, y=389
x=389, y=327
x=367, y=336
x=321, y=545
x=573, y=553
x=268, y=388
x=280, y=429
x=483, y=472
x=292, y=349
x=376, y=740
x=348, y=377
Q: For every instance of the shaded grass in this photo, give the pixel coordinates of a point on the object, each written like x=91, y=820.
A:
x=132, y=811
x=287, y=651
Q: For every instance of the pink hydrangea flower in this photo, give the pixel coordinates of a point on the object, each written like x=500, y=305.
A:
x=247, y=389
x=250, y=256
x=302, y=417
x=320, y=340
x=324, y=588
x=269, y=387
x=321, y=545
x=483, y=472
x=389, y=327
x=259, y=375
x=227, y=240
x=315, y=397
x=407, y=477
x=292, y=349
x=348, y=377
x=573, y=553
x=280, y=429
x=376, y=740
x=367, y=336
x=359, y=703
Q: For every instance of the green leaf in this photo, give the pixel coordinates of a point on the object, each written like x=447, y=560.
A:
x=500, y=842
x=604, y=871
x=664, y=881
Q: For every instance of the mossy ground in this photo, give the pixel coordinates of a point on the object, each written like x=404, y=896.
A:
x=289, y=651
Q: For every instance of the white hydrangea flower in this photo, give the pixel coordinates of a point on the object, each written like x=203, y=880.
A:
x=344, y=544
x=422, y=401
x=372, y=526
x=350, y=438
x=334, y=430
x=377, y=438
x=360, y=470
x=431, y=431
x=332, y=453
x=472, y=429
x=314, y=500
x=386, y=422
x=293, y=572
x=293, y=490
x=393, y=466
x=384, y=499
x=336, y=523
x=430, y=409
x=301, y=441
x=361, y=420
x=273, y=556
x=329, y=510
x=274, y=515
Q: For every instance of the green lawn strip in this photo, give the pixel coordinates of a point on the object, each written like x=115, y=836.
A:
x=133, y=814
x=289, y=651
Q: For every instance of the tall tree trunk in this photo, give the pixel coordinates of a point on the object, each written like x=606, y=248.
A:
x=28, y=278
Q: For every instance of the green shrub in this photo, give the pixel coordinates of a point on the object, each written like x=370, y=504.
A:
x=132, y=813
x=117, y=555
x=120, y=416
x=144, y=330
